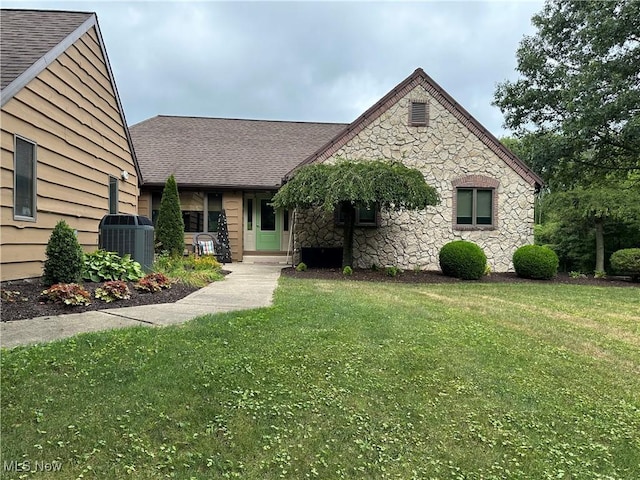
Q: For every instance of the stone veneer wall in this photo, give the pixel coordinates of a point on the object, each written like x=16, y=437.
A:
x=447, y=154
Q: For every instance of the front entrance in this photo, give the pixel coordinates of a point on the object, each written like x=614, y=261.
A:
x=268, y=226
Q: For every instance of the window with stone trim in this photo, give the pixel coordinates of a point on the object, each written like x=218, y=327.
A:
x=474, y=206
x=475, y=203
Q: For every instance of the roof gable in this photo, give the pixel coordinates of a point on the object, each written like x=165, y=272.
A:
x=30, y=40
x=420, y=78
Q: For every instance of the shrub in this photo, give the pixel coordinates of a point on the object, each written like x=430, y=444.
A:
x=113, y=290
x=70, y=294
x=535, y=261
x=102, y=265
x=462, y=259
x=301, y=267
x=627, y=262
x=347, y=271
x=64, y=258
x=393, y=271
x=153, y=282
x=170, y=226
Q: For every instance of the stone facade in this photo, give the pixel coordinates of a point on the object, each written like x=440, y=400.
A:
x=449, y=155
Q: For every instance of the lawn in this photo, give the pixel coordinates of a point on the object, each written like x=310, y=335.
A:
x=343, y=379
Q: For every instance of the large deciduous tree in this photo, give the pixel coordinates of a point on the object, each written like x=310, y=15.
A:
x=580, y=79
x=352, y=184
x=576, y=107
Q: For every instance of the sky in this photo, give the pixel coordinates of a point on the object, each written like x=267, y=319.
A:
x=302, y=61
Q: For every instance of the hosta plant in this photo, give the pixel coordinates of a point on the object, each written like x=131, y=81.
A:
x=102, y=265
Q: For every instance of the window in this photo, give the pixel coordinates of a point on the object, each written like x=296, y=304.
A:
x=113, y=194
x=418, y=114
x=214, y=208
x=24, y=180
x=474, y=206
x=366, y=216
x=285, y=220
x=194, y=214
x=249, y=213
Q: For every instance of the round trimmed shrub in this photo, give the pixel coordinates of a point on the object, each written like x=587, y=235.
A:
x=64, y=257
x=627, y=262
x=535, y=261
x=462, y=259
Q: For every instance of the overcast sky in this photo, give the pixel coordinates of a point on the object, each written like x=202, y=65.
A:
x=302, y=61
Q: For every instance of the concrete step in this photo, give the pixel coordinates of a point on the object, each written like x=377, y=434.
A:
x=267, y=259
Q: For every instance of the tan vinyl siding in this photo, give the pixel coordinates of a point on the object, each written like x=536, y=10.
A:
x=232, y=204
x=144, y=204
x=71, y=112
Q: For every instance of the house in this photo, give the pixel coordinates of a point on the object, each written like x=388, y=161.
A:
x=66, y=150
x=235, y=165
x=487, y=193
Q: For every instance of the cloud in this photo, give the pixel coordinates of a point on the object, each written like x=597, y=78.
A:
x=308, y=61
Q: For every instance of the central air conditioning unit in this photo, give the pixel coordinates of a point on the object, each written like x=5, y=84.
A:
x=128, y=234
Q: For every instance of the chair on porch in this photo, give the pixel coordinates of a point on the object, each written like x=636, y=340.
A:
x=207, y=244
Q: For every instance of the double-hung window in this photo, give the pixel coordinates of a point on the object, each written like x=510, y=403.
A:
x=475, y=203
x=474, y=206
x=24, y=180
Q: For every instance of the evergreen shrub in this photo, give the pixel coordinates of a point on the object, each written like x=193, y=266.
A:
x=170, y=225
x=627, y=262
x=462, y=259
x=535, y=261
x=64, y=258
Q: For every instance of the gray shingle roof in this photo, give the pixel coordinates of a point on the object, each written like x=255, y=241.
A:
x=219, y=152
x=28, y=35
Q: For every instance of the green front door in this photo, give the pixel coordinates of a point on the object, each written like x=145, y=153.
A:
x=267, y=226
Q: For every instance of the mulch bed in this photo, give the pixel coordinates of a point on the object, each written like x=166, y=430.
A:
x=422, y=276
x=29, y=305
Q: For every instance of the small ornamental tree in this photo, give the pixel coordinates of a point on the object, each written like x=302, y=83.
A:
x=353, y=184
x=170, y=225
x=64, y=257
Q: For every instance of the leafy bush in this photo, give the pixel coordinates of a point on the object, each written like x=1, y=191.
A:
x=11, y=296
x=535, y=261
x=113, y=290
x=347, y=271
x=153, y=282
x=102, y=265
x=170, y=225
x=70, y=294
x=627, y=262
x=393, y=271
x=64, y=259
x=301, y=267
x=462, y=259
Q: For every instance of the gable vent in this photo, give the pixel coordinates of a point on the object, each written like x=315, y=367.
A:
x=418, y=114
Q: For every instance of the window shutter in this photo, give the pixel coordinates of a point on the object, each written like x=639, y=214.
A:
x=418, y=114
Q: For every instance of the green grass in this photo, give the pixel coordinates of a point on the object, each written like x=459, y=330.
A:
x=345, y=380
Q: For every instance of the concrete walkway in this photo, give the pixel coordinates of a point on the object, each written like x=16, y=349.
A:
x=247, y=286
